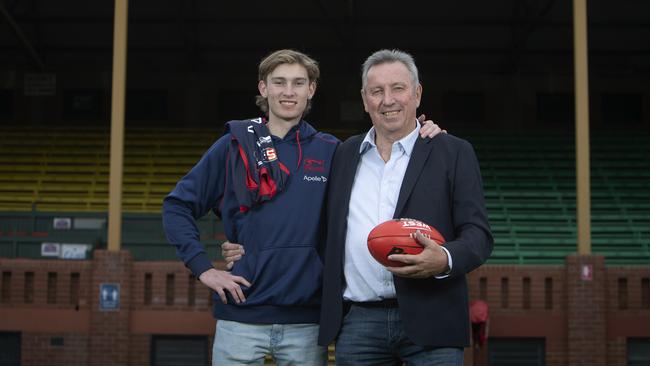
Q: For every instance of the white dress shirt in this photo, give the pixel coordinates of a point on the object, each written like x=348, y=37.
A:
x=373, y=200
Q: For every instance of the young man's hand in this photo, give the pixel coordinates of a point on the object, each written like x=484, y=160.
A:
x=222, y=281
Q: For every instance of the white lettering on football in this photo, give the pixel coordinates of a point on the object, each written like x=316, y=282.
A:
x=410, y=223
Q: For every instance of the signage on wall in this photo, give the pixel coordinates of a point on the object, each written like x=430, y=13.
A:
x=587, y=272
x=50, y=249
x=62, y=223
x=109, y=296
x=74, y=251
x=65, y=250
x=43, y=84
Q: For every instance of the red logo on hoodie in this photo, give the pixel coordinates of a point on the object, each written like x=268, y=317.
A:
x=314, y=165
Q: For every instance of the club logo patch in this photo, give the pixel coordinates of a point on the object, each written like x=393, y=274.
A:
x=314, y=165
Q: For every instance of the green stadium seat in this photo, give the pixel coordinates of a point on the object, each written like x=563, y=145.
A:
x=529, y=184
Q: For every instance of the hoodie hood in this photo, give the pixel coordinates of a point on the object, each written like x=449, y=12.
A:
x=297, y=135
x=301, y=132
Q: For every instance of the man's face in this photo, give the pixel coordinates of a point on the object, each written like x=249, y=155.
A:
x=391, y=99
x=287, y=90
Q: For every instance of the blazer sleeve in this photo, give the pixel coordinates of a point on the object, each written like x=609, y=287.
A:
x=473, y=240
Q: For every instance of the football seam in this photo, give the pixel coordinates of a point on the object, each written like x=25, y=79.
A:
x=398, y=236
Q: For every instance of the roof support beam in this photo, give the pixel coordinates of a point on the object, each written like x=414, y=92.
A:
x=581, y=90
x=117, y=125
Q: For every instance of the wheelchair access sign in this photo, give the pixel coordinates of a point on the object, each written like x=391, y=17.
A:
x=109, y=296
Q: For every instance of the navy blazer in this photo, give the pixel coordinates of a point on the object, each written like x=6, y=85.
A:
x=442, y=187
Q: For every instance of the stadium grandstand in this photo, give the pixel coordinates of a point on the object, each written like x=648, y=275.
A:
x=500, y=75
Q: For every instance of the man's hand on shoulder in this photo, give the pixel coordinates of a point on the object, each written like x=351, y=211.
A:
x=428, y=128
x=222, y=281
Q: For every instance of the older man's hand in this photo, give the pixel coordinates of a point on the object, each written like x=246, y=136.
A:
x=432, y=261
x=428, y=127
x=231, y=253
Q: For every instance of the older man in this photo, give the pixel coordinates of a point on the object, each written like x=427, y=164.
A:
x=417, y=313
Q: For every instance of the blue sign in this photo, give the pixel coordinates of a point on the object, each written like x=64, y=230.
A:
x=109, y=296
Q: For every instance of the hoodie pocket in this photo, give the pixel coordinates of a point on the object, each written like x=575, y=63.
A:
x=282, y=276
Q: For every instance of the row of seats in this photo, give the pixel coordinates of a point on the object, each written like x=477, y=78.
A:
x=529, y=183
x=58, y=169
x=530, y=186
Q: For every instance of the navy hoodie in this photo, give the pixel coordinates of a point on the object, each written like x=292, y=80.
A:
x=281, y=237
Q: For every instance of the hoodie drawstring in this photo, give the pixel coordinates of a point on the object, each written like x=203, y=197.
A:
x=299, y=149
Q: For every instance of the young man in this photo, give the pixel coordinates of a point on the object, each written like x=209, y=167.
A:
x=416, y=314
x=267, y=182
x=256, y=178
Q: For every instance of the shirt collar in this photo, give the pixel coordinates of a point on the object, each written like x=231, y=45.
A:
x=406, y=143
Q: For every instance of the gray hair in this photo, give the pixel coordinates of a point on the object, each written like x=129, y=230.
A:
x=389, y=56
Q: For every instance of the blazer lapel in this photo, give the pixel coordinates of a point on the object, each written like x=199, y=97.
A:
x=419, y=156
x=351, y=164
x=345, y=172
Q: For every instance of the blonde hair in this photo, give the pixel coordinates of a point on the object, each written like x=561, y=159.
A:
x=280, y=57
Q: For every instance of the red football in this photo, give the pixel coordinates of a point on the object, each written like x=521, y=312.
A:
x=394, y=237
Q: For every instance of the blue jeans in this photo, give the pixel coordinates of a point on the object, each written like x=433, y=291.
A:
x=238, y=343
x=374, y=336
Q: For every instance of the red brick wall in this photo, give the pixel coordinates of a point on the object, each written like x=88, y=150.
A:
x=160, y=299
x=158, y=308
x=545, y=315
x=109, y=330
x=597, y=314
x=39, y=349
x=64, y=317
x=586, y=315
x=139, y=349
x=40, y=269
x=628, y=309
x=581, y=323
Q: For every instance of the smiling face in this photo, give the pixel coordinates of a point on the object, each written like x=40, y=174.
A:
x=287, y=89
x=391, y=99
